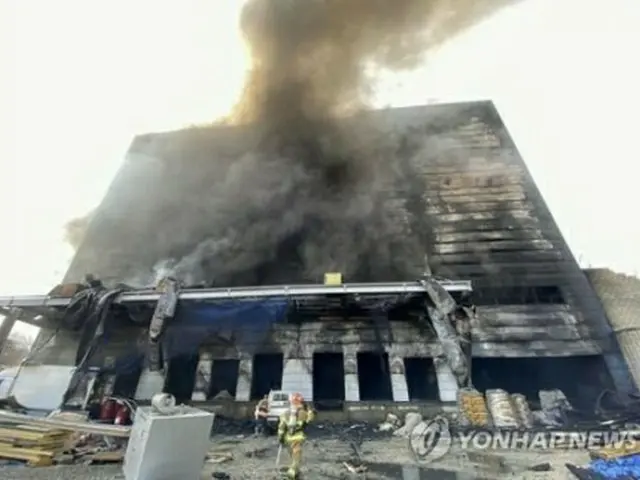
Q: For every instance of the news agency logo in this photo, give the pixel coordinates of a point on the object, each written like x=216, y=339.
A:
x=432, y=440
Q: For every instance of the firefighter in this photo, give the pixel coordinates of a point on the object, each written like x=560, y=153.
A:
x=260, y=415
x=291, y=431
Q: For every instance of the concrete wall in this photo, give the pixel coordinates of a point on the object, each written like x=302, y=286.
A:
x=620, y=296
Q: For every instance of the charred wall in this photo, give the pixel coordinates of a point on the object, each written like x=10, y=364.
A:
x=620, y=297
x=463, y=194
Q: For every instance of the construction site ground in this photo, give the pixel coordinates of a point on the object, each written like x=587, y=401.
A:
x=242, y=456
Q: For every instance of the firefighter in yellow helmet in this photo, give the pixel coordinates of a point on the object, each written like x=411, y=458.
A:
x=291, y=431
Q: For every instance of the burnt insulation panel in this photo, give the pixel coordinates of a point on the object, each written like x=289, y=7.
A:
x=468, y=199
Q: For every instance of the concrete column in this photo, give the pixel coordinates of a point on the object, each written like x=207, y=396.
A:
x=245, y=374
x=351, y=385
x=398, y=379
x=5, y=329
x=203, y=377
x=150, y=383
x=297, y=376
x=447, y=385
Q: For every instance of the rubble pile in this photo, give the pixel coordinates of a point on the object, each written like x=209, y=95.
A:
x=554, y=407
x=411, y=421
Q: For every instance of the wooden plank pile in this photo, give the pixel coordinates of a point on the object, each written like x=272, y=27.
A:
x=37, y=446
x=614, y=452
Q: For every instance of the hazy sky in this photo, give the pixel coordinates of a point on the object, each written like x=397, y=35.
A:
x=89, y=75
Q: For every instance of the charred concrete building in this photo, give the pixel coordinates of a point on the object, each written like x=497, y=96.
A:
x=451, y=199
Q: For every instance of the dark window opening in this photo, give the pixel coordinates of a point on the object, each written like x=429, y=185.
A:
x=518, y=296
x=224, y=377
x=181, y=377
x=373, y=376
x=127, y=382
x=328, y=381
x=267, y=374
x=422, y=382
x=581, y=378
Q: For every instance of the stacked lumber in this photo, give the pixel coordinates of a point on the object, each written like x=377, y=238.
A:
x=37, y=446
x=614, y=452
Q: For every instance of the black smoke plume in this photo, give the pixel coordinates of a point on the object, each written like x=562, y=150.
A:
x=313, y=196
x=318, y=188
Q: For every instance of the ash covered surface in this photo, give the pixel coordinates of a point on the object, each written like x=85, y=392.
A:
x=323, y=458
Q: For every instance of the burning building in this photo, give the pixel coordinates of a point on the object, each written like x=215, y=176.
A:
x=453, y=268
x=444, y=197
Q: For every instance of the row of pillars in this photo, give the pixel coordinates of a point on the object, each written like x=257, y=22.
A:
x=297, y=376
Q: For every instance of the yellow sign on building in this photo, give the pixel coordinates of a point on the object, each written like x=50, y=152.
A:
x=333, y=278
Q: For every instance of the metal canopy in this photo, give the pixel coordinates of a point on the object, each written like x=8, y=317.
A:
x=149, y=296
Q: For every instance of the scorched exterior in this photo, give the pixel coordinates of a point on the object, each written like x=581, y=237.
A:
x=479, y=216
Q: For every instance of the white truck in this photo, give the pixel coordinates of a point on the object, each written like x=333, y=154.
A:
x=278, y=404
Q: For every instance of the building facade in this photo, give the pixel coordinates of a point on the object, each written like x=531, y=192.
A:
x=467, y=197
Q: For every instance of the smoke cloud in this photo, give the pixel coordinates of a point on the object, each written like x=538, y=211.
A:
x=319, y=186
x=76, y=229
x=313, y=195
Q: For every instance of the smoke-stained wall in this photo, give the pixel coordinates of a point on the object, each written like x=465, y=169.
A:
x=620, y=297
x=449, y=194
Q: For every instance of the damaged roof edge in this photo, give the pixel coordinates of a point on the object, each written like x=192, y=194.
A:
x=136, y=296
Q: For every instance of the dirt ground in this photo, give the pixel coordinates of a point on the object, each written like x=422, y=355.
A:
x=385, y=458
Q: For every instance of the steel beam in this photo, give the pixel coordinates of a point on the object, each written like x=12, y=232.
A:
x=150, y=296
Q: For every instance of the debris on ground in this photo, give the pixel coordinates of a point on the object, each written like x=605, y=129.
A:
x=390, y=424
x=221, y=476
x=540, y=467
x=354, y=467
x=583, y=473
x=411, y=420
x=102, y=457
x=554, y=408
x=257, y=453
x=222, y=458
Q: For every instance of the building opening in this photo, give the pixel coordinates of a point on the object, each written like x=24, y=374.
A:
x=328, y=380
x=581, y=378
x=267, y=374
x=518, y=295
x=224, y=377
x=373, y=376
x=127, y=382
x=181, y=377
x=422, y=382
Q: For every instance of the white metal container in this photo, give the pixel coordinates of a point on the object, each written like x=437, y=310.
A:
x=168, y=447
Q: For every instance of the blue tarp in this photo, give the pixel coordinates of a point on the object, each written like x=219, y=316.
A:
x=245, y=323
x=620, y=468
